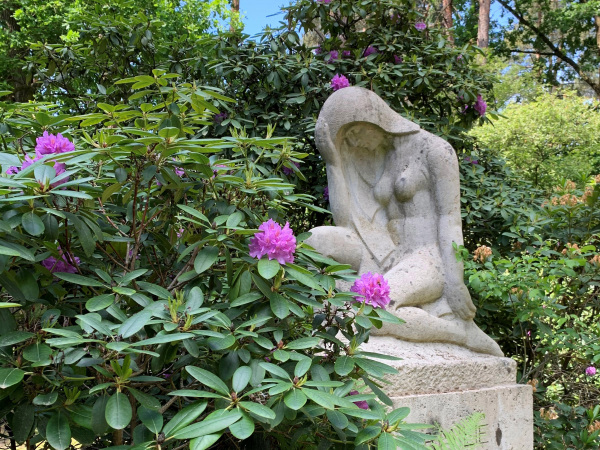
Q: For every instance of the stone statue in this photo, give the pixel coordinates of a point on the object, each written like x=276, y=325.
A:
x=395, y=197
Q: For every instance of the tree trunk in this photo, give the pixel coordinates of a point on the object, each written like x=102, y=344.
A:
x=447, y=6
x=597, y=26
x=483, y=28
x=235, y=14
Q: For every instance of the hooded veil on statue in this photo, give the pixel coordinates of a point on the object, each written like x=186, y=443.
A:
x=395, y=198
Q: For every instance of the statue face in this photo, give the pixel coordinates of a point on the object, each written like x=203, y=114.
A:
x=366, y=146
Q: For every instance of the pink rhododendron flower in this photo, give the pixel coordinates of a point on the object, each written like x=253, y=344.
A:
x=52, y=144
x=12, y=170
x=274, y=242
x=339, y=82
x=334, y=55
x=590, y=371
x=180, y=233
x=369, y=51
x=61, y=265
x=420, y=26
x=398, y=59
x=373, y=289
x=362, y=404
x=346, y=54
x=480, y=106
x=288, y=171
x=219, y=118
x=318, y=50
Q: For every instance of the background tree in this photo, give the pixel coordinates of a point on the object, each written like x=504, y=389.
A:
x=551, y=137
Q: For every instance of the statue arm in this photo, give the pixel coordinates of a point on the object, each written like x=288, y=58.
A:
x=445, y=177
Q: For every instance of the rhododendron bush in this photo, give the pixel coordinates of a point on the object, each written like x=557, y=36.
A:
x=154, y=296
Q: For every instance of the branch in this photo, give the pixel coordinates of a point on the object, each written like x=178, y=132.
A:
x=516, y=50
x=555, y=50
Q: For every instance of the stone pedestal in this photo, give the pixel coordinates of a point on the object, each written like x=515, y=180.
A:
x=444, y=383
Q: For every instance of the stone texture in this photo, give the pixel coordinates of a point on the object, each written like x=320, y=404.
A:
x=508, y=423
x=428, y=368
x=395, y=197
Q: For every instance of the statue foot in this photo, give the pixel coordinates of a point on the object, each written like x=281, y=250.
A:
x=480, y=342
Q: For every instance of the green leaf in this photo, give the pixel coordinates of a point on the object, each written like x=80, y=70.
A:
x=100, y=302
x=208, y=379
x=194, y=213
x=320, y=398
x=163, y=339
x=367, y=434
x=208, y=426
x=279, y=306
x=386, y=442
x=268, y=268
x=135, y=323
x=303, y=343
x=361, y=413
x=343, y=365
x=99, y=425
x=337, y=419
x=10, y=377
x=258, y=409
x=118, y=411
x=22, y=422
x=241, y=377
x=303, y=278
x=148, y=401
x=206, y=258
x=58, y=432
x=14, y=337
x=244, y=428
x=37, y=352
x=32, y=223
x=9, y=305
x=295, y=399
x=78, y=279
x=250, y=297
x=302, y=367
x=151, y=418
x=46, y=399
x=204, y=442
x=184, y=417
x=275, y=370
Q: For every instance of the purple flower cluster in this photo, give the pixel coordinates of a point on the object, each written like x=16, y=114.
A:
x=334, y=55
x=398, y=59
x=339, y=82
x=373, y=289
x=470, y=160
x=590, y=371
x=362, y=404
x=219, y=118
x=287, y=171
x=346, y=54
x=420, y=26
x=275, y=242
x=370, y=50
x=480, y=106
x=48, y=144
x=326, y=193
x=63, y=264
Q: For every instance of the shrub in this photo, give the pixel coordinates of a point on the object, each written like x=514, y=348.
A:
x=133, y=312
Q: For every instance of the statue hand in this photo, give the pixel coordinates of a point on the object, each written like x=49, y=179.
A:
x=460, y=301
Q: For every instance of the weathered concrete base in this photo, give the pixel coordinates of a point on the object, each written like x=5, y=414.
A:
x=444, y=384
x=508, y=423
